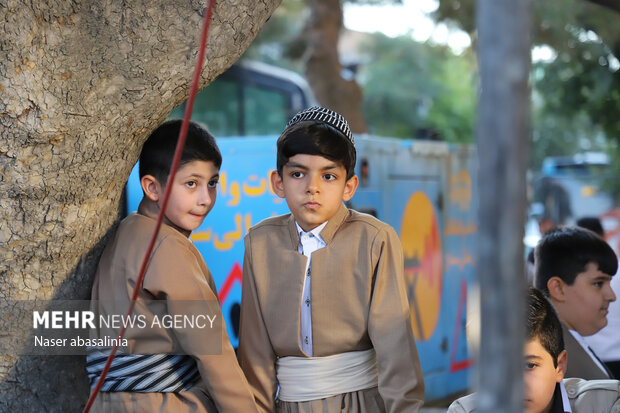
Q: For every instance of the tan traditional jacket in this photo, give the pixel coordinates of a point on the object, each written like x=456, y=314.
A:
x=593, y=396
x=175, y=272
x=579, y=363
x=358, y=298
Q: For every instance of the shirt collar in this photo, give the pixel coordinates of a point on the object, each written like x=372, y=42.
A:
x=334, y=223
x=328, y=232
x=316, y=231
x=565, y=402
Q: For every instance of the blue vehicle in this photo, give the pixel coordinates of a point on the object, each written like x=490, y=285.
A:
x=571, y=187
x=424, y=189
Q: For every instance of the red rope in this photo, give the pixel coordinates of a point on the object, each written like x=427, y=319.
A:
x=160, y=216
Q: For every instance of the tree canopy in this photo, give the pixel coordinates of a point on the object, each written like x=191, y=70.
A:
x=576, y=87
x=410, y=89
x=418, y=90
x=408, y=86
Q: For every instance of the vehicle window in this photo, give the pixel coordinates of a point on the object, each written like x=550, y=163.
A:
x=583, y=170
x=265, y=111
x=217, y=107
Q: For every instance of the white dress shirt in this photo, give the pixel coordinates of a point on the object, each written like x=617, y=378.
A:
x=565, y=402
x=308, y=243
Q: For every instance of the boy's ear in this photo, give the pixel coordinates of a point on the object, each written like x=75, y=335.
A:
x=151, y=187
x=561, y=369
x=349, y=188
x=555, y=285
x=276, y=184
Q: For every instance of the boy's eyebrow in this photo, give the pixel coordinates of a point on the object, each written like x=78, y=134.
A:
x=599, y=277
x=296, y=165
x=304, y=167
x=199, y=176
x=532, y=356
x=332, y=166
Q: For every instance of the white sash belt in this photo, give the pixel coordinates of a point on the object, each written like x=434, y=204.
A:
x=311, y=378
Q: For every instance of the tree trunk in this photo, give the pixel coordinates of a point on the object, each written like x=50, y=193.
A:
x=82, y=84
x=504, y=28
x=323, y=69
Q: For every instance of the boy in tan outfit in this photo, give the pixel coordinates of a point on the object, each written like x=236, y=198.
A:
x=180, y=368
x=324, y=314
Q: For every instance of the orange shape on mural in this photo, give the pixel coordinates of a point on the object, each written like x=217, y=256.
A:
x=421, y=241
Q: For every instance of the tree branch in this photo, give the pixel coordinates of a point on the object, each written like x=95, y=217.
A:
x=610, y=4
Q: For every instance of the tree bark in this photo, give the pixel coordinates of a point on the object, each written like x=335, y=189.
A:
x=323, y=68
x=82, y=84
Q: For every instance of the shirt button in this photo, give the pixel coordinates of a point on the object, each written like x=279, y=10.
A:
x=306, y=340
x=307, y=301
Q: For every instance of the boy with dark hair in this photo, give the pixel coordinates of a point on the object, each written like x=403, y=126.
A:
x=178, y=368
x=606, y=342
x=574, y=267
x=593, y=224
x=545, y=361
x=324, y=316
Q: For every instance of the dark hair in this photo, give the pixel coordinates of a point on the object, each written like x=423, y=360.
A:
x=543, y=324
x=593, y=224
x=564, y=252
x=158, y=150
x=316, y=138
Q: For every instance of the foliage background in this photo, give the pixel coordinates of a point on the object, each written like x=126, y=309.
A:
x=424, y=90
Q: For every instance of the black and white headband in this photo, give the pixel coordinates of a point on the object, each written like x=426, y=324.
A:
x=317, y=113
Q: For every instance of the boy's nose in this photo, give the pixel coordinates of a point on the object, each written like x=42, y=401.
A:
x=611, y=296
x=313, y=185
x=205, y=197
